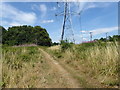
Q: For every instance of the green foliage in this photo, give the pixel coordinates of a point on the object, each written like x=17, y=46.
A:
x=2, y=84
x=65, y=45
x=18, y=35
x=55, y=43
x=116, y=38
x=102, y=39
x=110, y=38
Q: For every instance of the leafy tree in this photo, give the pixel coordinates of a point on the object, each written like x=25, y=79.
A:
x=18, y=35
x=110, y=38
x=55, y=43
x=3, y=34
x=41, y=36
x=102, y=39
x=116, y=37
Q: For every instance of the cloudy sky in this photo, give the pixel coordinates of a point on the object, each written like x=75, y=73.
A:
x=96, y=17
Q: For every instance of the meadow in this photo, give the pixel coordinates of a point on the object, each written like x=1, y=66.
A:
x=28, y=67
x=91, y=64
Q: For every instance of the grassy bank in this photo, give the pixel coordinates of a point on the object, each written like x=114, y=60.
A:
x=18, y=64
x=93, y=64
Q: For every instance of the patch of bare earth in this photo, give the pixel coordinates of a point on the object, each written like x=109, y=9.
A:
x=62, y=78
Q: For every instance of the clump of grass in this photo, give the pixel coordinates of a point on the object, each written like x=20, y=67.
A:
x=65, y=44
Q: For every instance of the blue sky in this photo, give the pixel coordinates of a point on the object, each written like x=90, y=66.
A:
x=97, y=17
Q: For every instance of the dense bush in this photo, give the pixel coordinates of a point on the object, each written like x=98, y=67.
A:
x=18, y=35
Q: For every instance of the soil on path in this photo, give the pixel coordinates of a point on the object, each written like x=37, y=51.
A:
x=68, y=79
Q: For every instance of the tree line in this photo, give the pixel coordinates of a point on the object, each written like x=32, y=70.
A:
x=19, y=35
x=109, y=38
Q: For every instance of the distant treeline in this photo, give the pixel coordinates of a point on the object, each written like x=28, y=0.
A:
x=19, y=35
x=110, y=38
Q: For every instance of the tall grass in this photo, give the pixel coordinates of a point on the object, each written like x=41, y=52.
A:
x=102, y=62
x=28, y=67
x=97, y=60
x=18, y=63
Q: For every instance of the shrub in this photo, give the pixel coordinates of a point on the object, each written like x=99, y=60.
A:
x=65, y=45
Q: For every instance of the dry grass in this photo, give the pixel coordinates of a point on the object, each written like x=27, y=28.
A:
x=93, y=65
x=97, y=63
x=17, y=66
x=27, y=67
x=57, y=47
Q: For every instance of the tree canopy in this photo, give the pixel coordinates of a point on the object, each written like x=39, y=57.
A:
x=18, y=35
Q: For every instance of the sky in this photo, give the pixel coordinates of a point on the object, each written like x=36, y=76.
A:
x=96, y=17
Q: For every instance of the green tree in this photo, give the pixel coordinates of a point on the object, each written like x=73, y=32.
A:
x=110, y=38
x=102, y=39
x=3, y=34
x=18, y=35
x=41, y=36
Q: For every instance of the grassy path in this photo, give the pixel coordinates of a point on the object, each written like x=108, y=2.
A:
x=92, y=65
x=32, y=67
x=70, y=81
x=41, y=67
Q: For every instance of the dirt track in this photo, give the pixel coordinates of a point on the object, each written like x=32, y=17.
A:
x=69, y=80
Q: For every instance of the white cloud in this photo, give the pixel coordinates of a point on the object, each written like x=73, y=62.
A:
x=103, y=30
x=34, y=7
x=79, y=6
x=14, y=24
x=12, y=15
x=22, y=17
x=47, y=21
x=43, y=9
x=85, y=39
x=86, y=34
x=97, y=5
x=99, y=30
x=88, y=5
x=83, y=31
